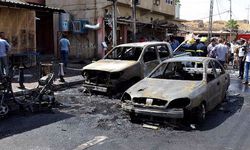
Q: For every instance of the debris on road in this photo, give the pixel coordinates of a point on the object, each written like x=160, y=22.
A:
x=193, y=126
x=150, y=126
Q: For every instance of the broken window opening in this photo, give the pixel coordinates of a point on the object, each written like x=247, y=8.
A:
x=125, y=53
x=150, y=54
x=180, y=71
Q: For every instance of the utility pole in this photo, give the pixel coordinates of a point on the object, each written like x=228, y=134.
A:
x=114, y=20
x=134, y=2
x=210, y=27
x=248, y=8
x=230, y=37
x=230, y=9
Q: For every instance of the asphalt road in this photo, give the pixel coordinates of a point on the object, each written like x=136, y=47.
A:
x=97, y=122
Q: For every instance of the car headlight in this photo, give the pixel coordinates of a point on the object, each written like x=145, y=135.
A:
x=179, y=103
x=116, y=75
x=126, y=97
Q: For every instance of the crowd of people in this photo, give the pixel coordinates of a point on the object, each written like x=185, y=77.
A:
x=241, y=58
x=236, y=53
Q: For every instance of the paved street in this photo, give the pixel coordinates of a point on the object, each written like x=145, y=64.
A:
x=96, y=122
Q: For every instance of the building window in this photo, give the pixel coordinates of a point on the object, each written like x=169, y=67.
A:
x=170, y=2
x=156, y=2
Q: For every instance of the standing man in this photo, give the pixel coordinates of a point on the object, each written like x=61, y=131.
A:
x=221, y=52
x=241, y=59
x=174, y=43
x=64, y=46
x=201, y=47
x=4, y=49
x=211, y=47
x=247, y=63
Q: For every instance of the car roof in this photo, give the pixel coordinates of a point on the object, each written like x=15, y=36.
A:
x=188, y=58
x=142, y=44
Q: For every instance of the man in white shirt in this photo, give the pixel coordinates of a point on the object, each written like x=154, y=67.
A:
x=241, y=59
x=247, y=63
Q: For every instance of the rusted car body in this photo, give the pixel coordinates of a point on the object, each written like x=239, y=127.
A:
x=179, y=87
x=125, y=64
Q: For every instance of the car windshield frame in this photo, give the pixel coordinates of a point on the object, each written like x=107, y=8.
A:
x=191, y=71
x=130, y=53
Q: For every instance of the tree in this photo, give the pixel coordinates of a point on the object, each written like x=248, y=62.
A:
x=232, y=25
x=177, y=1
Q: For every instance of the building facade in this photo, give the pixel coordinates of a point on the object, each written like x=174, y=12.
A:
x=28, y=25
x=153, y=21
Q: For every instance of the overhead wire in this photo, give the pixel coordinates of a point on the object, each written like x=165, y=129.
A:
x=227, y=11
x=218, y=9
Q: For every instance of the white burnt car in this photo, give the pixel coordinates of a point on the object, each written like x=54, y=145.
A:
x=125, y=64
x=177, y=88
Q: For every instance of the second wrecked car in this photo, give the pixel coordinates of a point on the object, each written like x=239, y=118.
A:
x=184, y=87
x=124, y=65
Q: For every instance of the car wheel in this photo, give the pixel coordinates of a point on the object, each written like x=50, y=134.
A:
x=224, y=98
x=4, y=110
x=133, y=118
x=200, y=113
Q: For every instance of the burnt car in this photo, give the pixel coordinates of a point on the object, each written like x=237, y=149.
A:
x=124, y=65
x=182, y=87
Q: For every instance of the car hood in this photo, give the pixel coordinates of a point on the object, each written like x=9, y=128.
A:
x=110, y=65
x=163, y=89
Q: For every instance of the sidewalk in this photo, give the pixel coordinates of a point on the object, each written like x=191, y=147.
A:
x=72, y=77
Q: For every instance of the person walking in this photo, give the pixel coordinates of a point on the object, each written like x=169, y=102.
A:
x=64, y=46
x=221, y=52
x=247, y=63
x=4, y=49
x=241, y=59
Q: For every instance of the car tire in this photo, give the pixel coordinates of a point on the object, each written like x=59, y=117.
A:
x=224, y=98
x=134, y=118
x=4, y=110
x=200, y=113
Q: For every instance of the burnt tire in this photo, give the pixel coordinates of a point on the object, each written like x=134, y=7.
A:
x=134, y=118
x=200, y=113
x=4, y=110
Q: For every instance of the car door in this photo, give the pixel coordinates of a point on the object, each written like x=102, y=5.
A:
x=223, y=80
x=213, y=86
x=150, y=59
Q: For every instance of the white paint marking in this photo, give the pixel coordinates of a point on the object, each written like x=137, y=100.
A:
x=92, y=142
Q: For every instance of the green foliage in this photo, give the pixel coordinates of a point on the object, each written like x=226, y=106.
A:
x=232, y=25
x=177, y=1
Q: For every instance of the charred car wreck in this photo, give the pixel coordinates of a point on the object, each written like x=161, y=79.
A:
x=125, y=65
x=178, y=88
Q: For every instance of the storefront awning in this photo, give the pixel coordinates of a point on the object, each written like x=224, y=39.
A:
x=23, y=4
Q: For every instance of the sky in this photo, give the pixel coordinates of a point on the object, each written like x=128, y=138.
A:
x=199, y=9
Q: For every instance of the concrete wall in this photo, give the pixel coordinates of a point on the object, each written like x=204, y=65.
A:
x=82, y=45
x=162, y=8
x=41, y=2
x=89, y=45
x=19, y=27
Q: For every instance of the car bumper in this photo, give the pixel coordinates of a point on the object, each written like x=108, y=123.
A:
x=96, y=88
x=176, y=113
